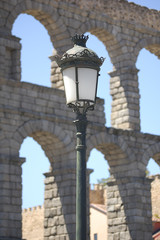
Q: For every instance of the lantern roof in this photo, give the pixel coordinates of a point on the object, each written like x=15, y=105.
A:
x=80, y=55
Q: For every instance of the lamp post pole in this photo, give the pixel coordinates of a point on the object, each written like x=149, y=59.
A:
x=81, y=208
x=80, y=67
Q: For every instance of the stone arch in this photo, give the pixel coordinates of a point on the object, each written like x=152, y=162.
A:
x=47, y=15
x=53, y=139
x=57, y=145
x=115, y=150
x=148, y=49
x=101, y=138
x=152, y=44
x=124, y=81
x=106, y=33
x=152, y=152
x=36, y=164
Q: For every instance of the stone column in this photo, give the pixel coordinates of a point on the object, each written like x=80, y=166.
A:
x=125, y=98
x=129, y=209
x=56, y=76
x=10, y=199
x=10, y=68
x=60, y=204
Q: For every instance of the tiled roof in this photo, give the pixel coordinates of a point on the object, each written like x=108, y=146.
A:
x=155, y=219
x=99, y=207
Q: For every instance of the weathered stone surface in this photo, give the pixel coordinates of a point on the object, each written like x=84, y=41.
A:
x=39, y=112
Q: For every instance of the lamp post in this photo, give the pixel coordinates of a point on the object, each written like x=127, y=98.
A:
x=80, y=67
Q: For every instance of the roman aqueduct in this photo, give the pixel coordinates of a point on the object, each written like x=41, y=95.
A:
x=40, y=112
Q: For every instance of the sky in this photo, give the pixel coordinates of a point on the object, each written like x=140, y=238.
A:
x=36, y=48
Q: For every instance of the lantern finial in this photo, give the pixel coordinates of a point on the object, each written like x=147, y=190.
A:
x=80, y=40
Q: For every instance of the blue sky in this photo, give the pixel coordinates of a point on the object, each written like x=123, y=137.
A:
x=36, y=48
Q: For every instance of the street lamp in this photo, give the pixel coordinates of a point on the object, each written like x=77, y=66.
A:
x=80, y=67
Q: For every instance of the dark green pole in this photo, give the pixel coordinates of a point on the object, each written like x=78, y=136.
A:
x=81, y=208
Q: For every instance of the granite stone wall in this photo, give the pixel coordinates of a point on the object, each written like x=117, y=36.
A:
x=30, y=110
x=33, y=218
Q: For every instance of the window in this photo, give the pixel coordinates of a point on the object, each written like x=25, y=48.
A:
x=95, y=236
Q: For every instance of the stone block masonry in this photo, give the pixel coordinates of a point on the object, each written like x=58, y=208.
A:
x=39, y=112
x=33, y=218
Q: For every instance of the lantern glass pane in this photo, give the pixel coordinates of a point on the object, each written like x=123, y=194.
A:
x=87, y=83
x=69, y=84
